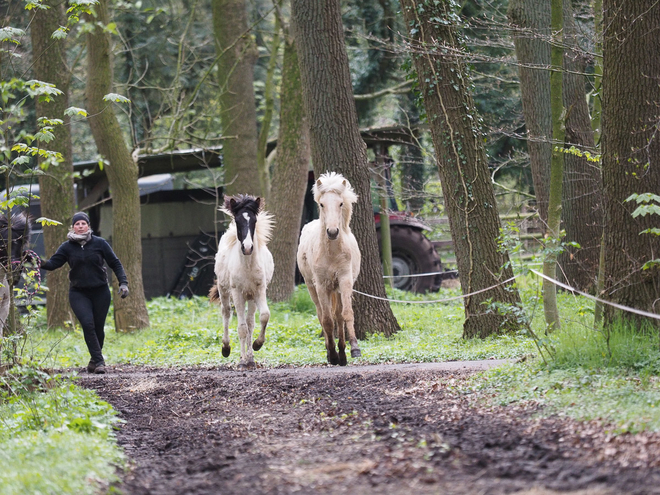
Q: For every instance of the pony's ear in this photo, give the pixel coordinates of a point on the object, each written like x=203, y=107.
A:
x=261, y=204
x=318, y=182
x=343, y=183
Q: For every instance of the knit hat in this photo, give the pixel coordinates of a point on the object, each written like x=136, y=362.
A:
x=81, y=215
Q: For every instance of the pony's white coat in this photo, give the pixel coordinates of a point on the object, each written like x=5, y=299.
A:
x=244, y=279
x=329, y=260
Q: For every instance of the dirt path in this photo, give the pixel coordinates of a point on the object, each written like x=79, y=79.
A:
x=360, y=430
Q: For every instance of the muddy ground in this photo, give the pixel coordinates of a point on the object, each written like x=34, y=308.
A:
x=358, y=430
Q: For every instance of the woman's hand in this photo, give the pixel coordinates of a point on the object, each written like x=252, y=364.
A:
x=123, y=291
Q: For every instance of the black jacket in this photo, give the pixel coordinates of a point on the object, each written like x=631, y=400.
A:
x=86, y=265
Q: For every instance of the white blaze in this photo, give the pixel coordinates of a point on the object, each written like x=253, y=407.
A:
x=247, y=243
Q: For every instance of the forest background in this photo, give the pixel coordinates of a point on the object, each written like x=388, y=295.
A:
x=157, y=79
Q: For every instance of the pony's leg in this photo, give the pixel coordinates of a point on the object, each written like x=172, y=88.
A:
x=226, y=318
x=239, y=304
x=346, y=289
x=328, y=324
x=264, y=316
x=339, y=327
x=315, y=299
x=251, y=311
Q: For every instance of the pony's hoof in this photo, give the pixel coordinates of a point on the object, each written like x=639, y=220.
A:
x=333, y=358
x=355, y=353
x=226, y=351
x=342, y=359
x=256, y=345
x=246, y=365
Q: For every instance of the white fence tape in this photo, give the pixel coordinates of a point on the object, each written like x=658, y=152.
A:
x=556, y=282
x=420, y=274
x=437, y=300
x=589, y=296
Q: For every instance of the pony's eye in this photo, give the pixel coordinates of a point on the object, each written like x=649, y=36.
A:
x=341, y=204
x=321, y=205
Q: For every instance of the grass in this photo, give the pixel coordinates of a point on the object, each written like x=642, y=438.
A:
x=54, y=437
x=189, y=332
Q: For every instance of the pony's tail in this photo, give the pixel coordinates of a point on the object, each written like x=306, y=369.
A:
x=214, y=297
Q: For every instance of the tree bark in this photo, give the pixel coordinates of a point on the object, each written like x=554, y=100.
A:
x=122, y=171
x=531, y=37
x=463, y=168
x=56, y=188
x=553, y=239
x=631, y=152
x=582, y=202
x=289, y=176
x=237, y=54
x=337, y=144
x=582, y=198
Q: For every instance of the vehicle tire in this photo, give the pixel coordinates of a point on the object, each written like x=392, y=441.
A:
x=413, y=253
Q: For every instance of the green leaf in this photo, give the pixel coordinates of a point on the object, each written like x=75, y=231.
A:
x=71, y=111
x=643, y=210
x=21, y=160
x=643, y=198
x=47, y=221
x=116, y=98
x=60, y=33
x=9, y=33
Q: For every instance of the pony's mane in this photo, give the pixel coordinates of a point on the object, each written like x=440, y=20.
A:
x=242, y=201
x=336, y=183
x=19, y=222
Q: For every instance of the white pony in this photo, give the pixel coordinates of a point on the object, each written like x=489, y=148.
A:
x=329, y=260
x=244, y=268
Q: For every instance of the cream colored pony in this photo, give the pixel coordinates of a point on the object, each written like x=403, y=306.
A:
x=329, y=260
x=243, y=269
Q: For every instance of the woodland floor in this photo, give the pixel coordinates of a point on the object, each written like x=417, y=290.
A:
x=395, y=429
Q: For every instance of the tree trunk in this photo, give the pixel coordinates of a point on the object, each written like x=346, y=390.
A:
x=582, y=198
x=239, y=116
x=269, y=104
x=631, y=152
x=582, y=203
x=531, y=35
x=130, y=313
x=56, y=188
x=289, y=176
x=337, y=145
x=556, y=168
x=463, y=168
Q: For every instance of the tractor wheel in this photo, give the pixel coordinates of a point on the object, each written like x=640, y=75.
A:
x=413, y=253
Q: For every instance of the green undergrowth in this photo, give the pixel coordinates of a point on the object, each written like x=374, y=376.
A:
x=54, y=436
x=189, y=332
x=588, y=379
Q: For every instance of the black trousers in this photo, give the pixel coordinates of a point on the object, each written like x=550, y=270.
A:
x=91, y=308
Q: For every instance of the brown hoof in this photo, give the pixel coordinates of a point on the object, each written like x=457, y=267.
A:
x=256, y=345
x=226, y=351
x=333, y=358
x=355, y=353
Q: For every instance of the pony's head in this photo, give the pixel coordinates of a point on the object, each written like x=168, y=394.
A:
x=335, y=197
x=244, y=209
x=20, y=238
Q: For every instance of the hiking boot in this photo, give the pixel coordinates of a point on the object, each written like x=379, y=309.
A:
x=91, y=366
x=100, y=368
